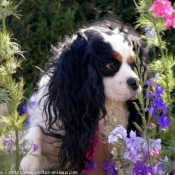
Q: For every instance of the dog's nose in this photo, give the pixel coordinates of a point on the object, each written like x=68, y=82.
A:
x=132, y=83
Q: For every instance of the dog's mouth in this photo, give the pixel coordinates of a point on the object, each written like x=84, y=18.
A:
x=134, y=94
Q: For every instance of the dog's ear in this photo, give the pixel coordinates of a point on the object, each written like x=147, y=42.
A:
x=75, y=97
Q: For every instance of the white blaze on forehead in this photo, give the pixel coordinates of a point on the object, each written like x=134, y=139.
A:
x=116, y=86
x=119, y=44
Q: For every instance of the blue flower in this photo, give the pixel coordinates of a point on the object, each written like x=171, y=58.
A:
x=140, y=169
x=173, y=168
x=91, y=167
x=159, y=106
x=164, y=108
x=5, y=141
x=9, y=145
x=150, y=95
x=110, y=168
x=160, y=167
x=155, y=111
x=164, y=121
x=149, y=82
x=25, y=109
x=148, y=32
x=155, y=147
x=31, y=105
x=159, y=90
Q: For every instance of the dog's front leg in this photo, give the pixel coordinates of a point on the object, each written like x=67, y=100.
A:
x=33, y=160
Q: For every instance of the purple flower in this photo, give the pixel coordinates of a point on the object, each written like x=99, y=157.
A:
x=158, y=102
x=110, y=168
x=155, y=111
x=150, y=95
x=31, y=105
x=6, y=140
x=159, y=90
x=27, y=123
x=158, y=105
x=134, y=148
x=140, y=169
x=25, y=109
x=134, y=141
x=159, y=167
x=91, y=167
x=9, y=145
x=164, y=108
x=155, y=147
x=35, y=147
x=149, y=82
x=148, y=32
x=164, y=121
x=118, y=133
x=173, y=167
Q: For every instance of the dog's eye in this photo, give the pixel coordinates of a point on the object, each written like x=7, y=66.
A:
x=112, y=65
x=110, y=68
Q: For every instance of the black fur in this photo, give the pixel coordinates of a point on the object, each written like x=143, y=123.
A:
x=76, y=91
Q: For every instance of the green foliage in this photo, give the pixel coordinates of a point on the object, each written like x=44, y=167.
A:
x=47, y=22
x=148, y=20
x=163, y=62
x=11, y=93
x=158, y=66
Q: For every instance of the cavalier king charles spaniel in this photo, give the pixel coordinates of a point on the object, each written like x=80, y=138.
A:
x=70, y=114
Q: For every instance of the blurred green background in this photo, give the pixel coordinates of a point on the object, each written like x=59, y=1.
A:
x=46, y=22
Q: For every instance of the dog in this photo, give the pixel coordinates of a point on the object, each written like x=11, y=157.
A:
x=73, y=103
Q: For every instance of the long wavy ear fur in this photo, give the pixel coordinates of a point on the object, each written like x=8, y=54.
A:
x=75, y=97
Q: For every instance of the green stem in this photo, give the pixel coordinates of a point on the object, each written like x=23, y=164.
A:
x=149, y=158
x=3, y=25
x=136, y=4
x=165, y=69
x=17, y=150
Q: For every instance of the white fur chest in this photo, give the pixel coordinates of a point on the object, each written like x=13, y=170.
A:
x=120, y=114
x=117, y=114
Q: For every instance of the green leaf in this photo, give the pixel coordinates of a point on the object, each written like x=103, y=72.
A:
x=144, y=121
x=139, y=96
x=154, y=130
x=136, y=106
x=137, y=126
x=142, y=70
x=145, y=76
x=147, y=102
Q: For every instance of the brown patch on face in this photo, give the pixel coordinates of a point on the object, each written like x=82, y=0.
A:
x=131, y=58
x=118, y=56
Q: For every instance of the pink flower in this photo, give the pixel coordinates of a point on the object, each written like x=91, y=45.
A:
x=170, y=22
x=162, y=8
x=155, y=153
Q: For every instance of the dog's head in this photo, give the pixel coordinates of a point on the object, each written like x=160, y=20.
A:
x=119, y=76
x=93, y=66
